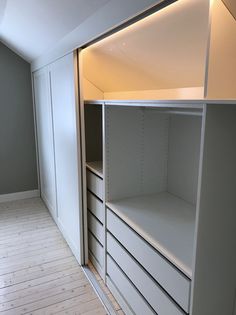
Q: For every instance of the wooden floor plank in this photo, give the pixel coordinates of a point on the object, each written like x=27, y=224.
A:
x=89, y=308
x=15, y=221
x=30, y=248
x=46, y=224
x=48, y=301
x=33, y=235
x=38, y=272
x=32, y=252
x=61, y=306
x=35, y=261
x=44, y=291
x=33, y=286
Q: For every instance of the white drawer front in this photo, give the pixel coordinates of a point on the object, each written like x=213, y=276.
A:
x=95, y=206
x=96, y=249
x=155, y=296
x=96, y=228
x=95, y=184
x=132, y=297
x=172, y=280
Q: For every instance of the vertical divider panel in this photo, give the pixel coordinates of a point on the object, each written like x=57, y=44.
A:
x=106, y=174
x=104, y=191
x=83, y=155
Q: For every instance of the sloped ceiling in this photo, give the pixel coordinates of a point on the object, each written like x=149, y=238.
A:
x=32, y=27
x=164, y=51
x=231, y=6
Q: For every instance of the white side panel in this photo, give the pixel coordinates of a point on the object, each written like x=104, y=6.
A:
x=183, y=160
x=214, y=277
x=67, y=153
x=45, y=138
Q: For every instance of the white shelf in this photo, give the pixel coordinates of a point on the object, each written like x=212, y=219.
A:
x=163, y=220
x=96, y=167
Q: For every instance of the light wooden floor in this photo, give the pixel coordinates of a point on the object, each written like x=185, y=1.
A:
x=38, y=273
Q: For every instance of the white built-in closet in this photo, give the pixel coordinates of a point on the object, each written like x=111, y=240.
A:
x=159, y=111
x=139, y=173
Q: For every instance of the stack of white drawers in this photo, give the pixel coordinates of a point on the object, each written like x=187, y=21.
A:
x=96, y=219
x=149, y=283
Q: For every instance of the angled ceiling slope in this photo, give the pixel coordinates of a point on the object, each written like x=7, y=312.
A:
x=32, y=27
x=231, y=6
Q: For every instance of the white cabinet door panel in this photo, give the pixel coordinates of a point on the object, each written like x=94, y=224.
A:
x=67, y=152
x=45, y=138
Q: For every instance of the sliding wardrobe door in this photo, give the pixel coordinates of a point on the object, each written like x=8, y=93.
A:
x=45, y=138
x=67, y=151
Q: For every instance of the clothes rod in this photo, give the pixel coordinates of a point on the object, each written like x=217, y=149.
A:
x=175, y=112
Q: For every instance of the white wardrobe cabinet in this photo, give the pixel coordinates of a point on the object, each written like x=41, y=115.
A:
x=45, y=138
x=58, y=132
x=169, y=217
x=166, y=88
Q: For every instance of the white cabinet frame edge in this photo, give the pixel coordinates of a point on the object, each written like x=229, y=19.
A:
x=79, y=66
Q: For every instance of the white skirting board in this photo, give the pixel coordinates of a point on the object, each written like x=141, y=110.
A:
x=19, y=195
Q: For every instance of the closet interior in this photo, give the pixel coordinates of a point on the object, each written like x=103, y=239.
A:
x=147, y=98
x=152, y=164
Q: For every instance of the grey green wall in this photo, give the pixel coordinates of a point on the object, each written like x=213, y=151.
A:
x=18, y=167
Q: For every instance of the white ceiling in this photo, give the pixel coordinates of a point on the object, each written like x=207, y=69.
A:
x=32, y=27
